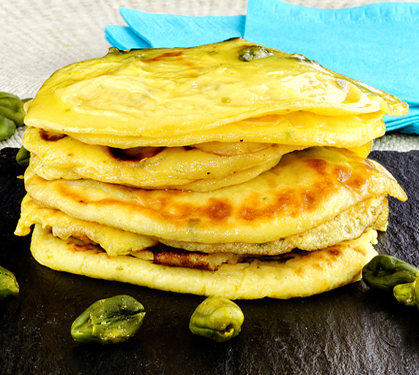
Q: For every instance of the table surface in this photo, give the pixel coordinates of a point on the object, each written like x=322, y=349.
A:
x=349, y=330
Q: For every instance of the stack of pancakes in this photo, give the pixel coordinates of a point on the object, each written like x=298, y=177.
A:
x=226, y=169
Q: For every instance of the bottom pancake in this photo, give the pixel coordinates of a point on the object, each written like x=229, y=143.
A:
x=295, y=274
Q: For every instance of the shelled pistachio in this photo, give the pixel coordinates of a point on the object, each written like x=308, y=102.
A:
x=9, y=286
x=390, y=274
x=11, y=114
x=22, y=157
x=384, y=272
x=109, y=321
x=405, y=293
x=217, y=318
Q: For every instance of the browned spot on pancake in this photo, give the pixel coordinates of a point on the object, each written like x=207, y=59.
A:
x=356, y=182
x=177, y=258
x=165, y=56
x=82, y=237
x=218, y=209
x=254, y=207
x=334, y=252
x=319, y=165
x=311, y=198
x=299, y=271
x=65, y=191
x=342, y=173
x=80, y=247
x=50, y=137
x=359, y=250
x=323, y=259
x=288, y=202
x=134, y=154
x=176, y=57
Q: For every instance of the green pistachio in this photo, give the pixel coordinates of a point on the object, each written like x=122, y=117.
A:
x=249, y=53
x=11, y=107
x=7, y=128
x=8, y=284
x=11, y=114
x=217, y=318
x=405, y=293
x=109, y=321
x=384, y=272
x=22, y=157
x=415, y=286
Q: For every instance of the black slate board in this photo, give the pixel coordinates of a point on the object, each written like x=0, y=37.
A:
x=351, y=330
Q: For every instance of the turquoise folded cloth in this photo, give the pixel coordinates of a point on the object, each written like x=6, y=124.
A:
x=377, y=44
x=168, y=30
x=122, y=37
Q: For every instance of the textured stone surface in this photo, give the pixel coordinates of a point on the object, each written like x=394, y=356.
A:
x=351, y=330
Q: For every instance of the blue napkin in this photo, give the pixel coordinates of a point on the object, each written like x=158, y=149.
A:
x=168, y=30
x=122, y=37
x=377, y=44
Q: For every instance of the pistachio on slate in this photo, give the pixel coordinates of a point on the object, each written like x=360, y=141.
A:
x=9, y=286
x=384, y=272
x=405, y=293
x=22, y=157
x=390, y=274
x=109, y=321
x=217, y=318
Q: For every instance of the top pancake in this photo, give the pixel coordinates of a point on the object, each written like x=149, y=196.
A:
x=155, y=93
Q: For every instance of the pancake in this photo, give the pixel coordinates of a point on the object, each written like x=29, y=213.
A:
x=202, y=167
x=190, y=92
x=227, y=169
x=306, y=189
x=299, y=128
x=350, y=224
x=295, y=274
x=114, y=241
x=199, y=169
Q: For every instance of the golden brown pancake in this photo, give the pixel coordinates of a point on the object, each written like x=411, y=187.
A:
x=228, y=169
x=212, y=167
x=295, y=274
x=202, y=167
x=349, y=225
x=114, y=241
x=306, y=189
